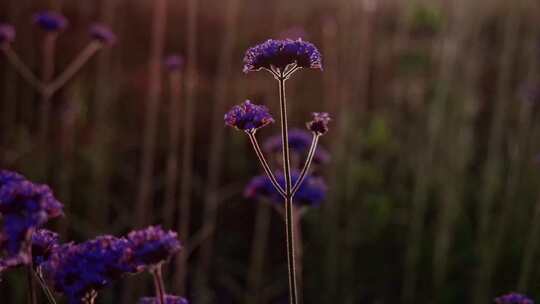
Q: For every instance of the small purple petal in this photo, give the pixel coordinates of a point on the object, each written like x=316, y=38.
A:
x=174, y=62
x=50, y=21
x=319, y=124
x=102, y=33
x=7, y=33
x=169, y=299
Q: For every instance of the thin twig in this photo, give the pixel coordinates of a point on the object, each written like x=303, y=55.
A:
x=21, y=68
x=307, y=164
x=264, y=163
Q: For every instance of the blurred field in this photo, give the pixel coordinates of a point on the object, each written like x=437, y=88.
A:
x=434, y=179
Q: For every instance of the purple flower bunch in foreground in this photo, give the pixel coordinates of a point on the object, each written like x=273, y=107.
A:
x=169, y=299
x=282, y=58
x=24, y=207
x=311, y=193
x=513, y=298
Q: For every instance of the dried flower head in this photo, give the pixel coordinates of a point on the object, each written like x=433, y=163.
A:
x=79, y=270
x=169, y=299
x=279, y=54
x=50, y=21
x=7, y=33
x=174, y=62
x=102, y=34
x=312, y=192
x=43, y=243
x=513, y=298
x=319, y=124
x=248, y=117
x=152, y=246
x=299, y=142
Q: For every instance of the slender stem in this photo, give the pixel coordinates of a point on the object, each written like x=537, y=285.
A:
x=158, y=284
x=307, y=165
x=31, y=285
x=264, y=163
x=75, y=66
x=44, y=287
x=288, y=194
x=21, y=67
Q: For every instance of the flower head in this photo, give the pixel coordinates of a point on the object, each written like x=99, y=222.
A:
x=248, y=117
x=50, y=21
x=169, y=299
x=7, y=33
x=78, y=270
x=24, y=207
x=319, y=124
x=152, y=246
x=174, y=62
x=311, y=193
x=299, y=142
x=279, y=54
x=102, y=34
x=43, y=243
x=513, y=298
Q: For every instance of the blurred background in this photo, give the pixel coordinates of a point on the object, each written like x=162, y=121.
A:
x=433, y=181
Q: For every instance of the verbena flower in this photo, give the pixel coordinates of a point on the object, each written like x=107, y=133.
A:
x=513, y=298
x=7, y=33
x=312, y=192
x=248, y=117
x=152, y=246
x=319, y=124
x=299, y=142
x=279, y=54
x=77, y=270
x=24, y=207
x=102, y=33
x=43, y=243
x=169, y=299
x=50, y=21
x=174, y=62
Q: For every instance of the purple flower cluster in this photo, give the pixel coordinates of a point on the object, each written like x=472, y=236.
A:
x=299, y=142
x=102, y=34
x=7, y=33
x=77, y=270
x=152, y=246
x=24, y=207
x=50, y=21
x=169, y=299
x=278, y=54
x=319, y=124
x=513, y=298
x=248, y=117
x=44, y=242
x=312, y=192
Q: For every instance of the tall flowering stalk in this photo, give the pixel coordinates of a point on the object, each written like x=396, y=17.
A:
x=281, y=58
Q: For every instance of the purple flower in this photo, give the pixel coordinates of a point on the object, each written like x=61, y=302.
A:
x=299, y=142
x=279, y=54
x=169, y=299
x=102, y=34
x=174, y=62
x=248, y=117
x=50, y=21
x=43, y=243
x=24, y=207
x=311, y=193
x=319, y=124
x=152, y=246
x=78, y=270
x=7, y=33
x=513, y=298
